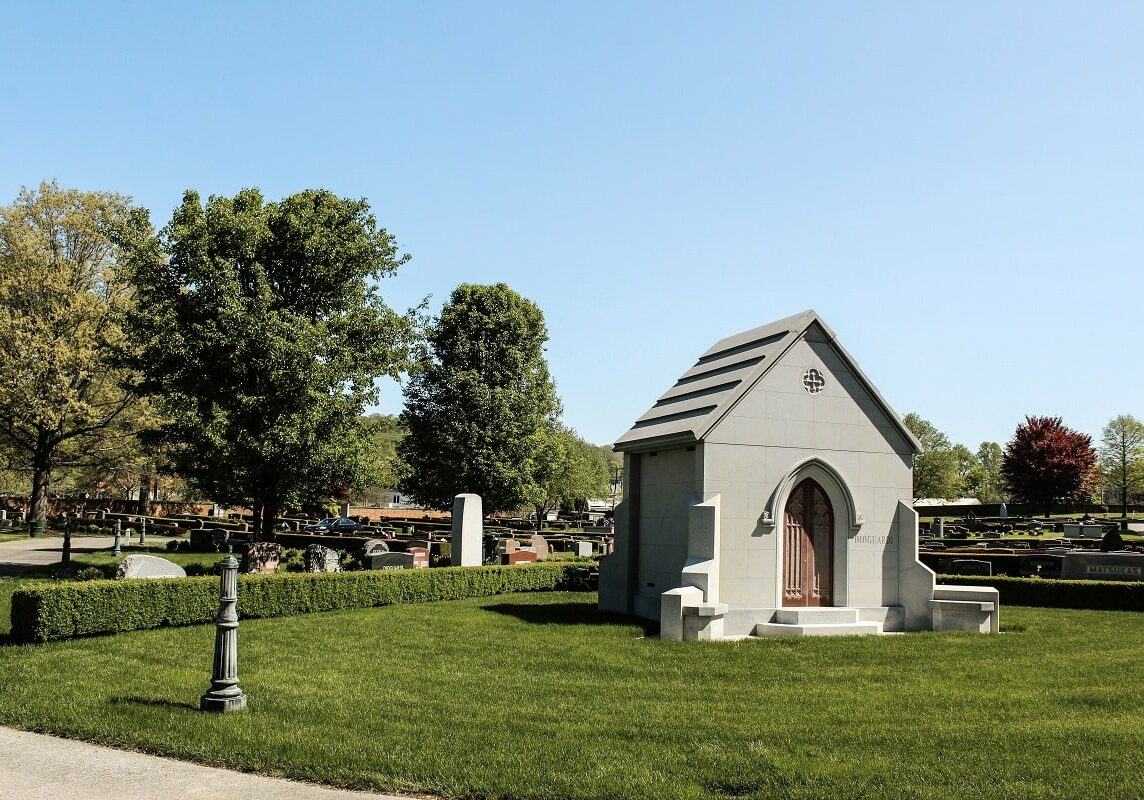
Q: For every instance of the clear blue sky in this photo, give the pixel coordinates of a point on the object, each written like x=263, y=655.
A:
x=957, y=188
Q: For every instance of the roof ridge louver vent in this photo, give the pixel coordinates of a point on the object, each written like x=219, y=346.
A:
x=697, y=412
x=679, y=398
x=742, y=348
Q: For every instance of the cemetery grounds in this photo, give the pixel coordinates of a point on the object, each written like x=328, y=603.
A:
x=540, y=696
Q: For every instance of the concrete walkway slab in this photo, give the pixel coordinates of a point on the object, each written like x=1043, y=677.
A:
x=38, y=767
x=43, y=551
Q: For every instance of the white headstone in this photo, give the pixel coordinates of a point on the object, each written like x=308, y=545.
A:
x=468, y=530
x=583, y=549
x=137, y=566
x=539, y=544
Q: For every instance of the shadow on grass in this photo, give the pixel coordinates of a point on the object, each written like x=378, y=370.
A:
x=569, y=614
x=152, y=702
x=19, y=571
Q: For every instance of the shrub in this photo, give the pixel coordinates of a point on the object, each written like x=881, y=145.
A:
x=1053, y=593
x=173, y=545
x=292, y=560
x=197, y=570
x=65, y=611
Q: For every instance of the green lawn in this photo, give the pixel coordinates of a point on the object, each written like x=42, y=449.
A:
x=539, y=696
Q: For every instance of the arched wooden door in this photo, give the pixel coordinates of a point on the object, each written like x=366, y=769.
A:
x=808, y=547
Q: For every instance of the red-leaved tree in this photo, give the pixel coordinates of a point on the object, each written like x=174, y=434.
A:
x=1046, y=462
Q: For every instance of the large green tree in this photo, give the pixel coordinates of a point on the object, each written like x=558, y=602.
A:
x=260, y=334
x=481, y=406
x=579, y=474
x=936, y=472
x=1122, y=458
x=991, y=486
x=63, y=404
x=970, y=474
x=1047, y=462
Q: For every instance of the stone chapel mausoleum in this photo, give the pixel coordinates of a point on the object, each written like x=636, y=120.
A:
x=768, y=492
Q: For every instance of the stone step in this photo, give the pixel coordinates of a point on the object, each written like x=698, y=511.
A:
x=820, y=629
x=816, y=615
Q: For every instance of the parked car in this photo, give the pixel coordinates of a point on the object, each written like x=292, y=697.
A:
x=333, y=525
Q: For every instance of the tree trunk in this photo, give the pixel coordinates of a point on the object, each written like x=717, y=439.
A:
x=256, y=520
x=41, y=479
x=145, y=495
x=269, y=514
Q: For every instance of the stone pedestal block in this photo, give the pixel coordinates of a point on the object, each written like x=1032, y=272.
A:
x=671, y=605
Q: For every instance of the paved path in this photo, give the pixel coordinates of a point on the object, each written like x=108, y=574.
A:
x=46, y=550
x=38, y=767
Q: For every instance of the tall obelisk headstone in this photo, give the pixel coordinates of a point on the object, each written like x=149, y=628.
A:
x=468, y=530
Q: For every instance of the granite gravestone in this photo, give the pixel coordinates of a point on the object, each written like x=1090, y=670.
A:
x=970, y=566
x=1103, y=566
x=539, y=544
x=139, y=566
x=260, y=557
x=322, y=559
x=384, y=560
x=375, y=546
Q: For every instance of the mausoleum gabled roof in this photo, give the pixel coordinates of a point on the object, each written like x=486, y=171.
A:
x=690, y=409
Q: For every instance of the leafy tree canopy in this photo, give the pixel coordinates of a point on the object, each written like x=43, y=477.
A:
x=991, y=484
x=1047, y=462
x=261, y=333
x=1122, y=458
x=481, y=407
x=62, y=402
x=936, y=469
x=579, y=474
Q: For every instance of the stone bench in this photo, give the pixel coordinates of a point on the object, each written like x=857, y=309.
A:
x=966, y=608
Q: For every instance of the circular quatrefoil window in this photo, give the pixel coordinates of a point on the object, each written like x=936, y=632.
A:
x=813, y=381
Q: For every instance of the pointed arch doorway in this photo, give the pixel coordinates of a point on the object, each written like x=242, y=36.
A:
x=808, y=547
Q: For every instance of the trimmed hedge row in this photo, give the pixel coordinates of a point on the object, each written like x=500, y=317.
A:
x=1054, y=593
x=67, y=610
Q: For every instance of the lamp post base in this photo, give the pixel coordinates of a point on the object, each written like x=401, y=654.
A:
x=222, y=705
